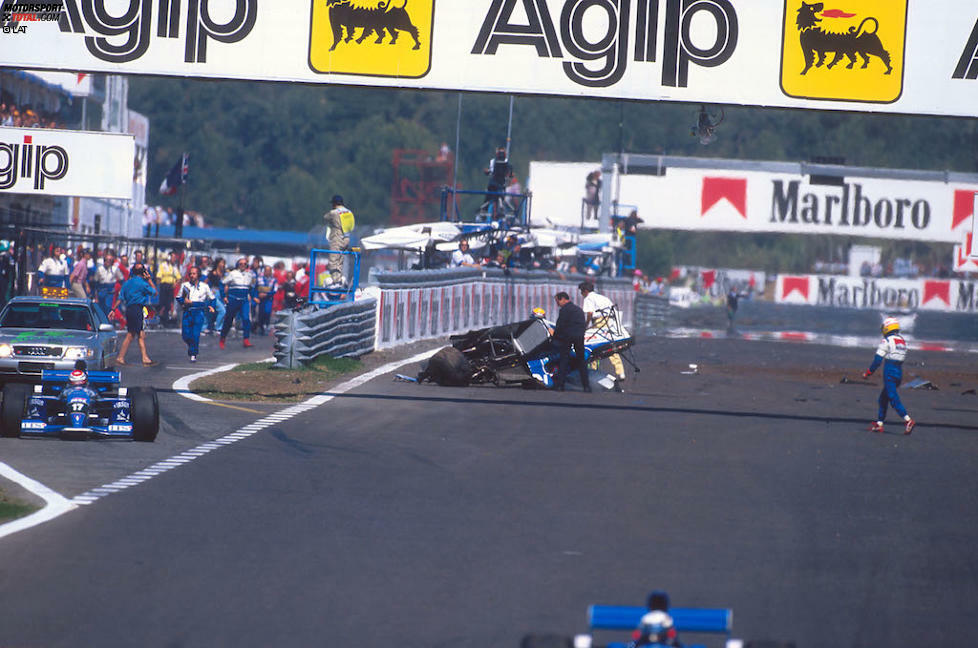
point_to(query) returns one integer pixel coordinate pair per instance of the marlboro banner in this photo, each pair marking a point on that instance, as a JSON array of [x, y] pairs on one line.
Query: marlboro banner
[[760, 201], [894, 295]]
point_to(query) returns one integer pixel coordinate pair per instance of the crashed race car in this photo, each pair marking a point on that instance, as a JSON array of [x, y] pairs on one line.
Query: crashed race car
[[80, 404], [519, 353]]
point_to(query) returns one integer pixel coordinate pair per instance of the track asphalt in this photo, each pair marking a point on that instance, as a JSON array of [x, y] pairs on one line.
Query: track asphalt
[[407, 515]]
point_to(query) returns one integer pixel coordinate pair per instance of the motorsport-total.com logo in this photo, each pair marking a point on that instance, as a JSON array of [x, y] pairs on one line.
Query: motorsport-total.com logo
[[14, 14]]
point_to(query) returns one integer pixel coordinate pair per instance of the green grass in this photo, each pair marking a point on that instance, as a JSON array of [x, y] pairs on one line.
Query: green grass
[[10, 510], [323, 363], [259, 381]]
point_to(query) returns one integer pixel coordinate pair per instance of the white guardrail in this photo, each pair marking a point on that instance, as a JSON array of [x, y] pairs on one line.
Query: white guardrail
[[422, 305], [403, 307]]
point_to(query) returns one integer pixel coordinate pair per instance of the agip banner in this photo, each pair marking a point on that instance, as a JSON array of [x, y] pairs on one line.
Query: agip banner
[[66, 163], [859, 55]]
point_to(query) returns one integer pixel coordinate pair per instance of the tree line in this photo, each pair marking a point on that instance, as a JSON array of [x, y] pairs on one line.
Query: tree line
[[270, 155]]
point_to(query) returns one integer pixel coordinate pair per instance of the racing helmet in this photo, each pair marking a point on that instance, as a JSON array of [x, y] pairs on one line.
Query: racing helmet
[[78, 378], [890, 325], [656, 627], [538, 312], [658, 600]]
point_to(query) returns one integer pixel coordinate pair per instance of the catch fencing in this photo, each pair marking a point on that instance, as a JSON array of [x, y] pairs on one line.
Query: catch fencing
[[415, 306]]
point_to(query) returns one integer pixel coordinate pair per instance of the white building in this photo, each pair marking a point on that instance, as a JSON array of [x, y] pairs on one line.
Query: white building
[[77, 102]]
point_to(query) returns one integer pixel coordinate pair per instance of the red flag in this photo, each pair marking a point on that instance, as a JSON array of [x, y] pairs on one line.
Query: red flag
[[709, 276]]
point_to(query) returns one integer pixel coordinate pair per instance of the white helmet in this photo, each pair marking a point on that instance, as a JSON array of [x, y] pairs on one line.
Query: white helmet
[[890, 325], [78, 378]]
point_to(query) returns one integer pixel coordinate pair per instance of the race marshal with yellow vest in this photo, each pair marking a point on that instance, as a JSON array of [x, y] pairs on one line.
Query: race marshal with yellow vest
[[339, 224]]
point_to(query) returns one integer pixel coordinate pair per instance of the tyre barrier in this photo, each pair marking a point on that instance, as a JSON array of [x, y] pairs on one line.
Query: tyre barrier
[[342, 331]]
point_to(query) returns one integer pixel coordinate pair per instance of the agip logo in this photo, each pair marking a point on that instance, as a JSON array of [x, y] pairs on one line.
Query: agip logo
[[390, 38], [846, 50]]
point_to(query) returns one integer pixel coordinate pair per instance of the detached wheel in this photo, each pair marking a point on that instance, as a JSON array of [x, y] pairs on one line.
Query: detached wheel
[[145, 411], [13, 407], [450, 368]]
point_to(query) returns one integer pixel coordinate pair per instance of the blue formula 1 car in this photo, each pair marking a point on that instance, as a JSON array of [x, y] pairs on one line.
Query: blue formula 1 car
[[80, 404], [655, 626]]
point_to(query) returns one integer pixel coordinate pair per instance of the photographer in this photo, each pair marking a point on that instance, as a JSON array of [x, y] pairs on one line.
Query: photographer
[[136, 293]]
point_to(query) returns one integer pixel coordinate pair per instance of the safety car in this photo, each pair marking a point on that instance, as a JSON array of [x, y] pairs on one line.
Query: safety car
[[52, 332], [79, 404]]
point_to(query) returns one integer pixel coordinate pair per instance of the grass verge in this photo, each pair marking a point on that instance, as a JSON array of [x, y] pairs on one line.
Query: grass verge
[[10, 509], [258, 381]]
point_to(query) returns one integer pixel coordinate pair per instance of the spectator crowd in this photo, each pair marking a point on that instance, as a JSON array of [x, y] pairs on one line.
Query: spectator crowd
[[99, 275], [26, 117], [167, 216]]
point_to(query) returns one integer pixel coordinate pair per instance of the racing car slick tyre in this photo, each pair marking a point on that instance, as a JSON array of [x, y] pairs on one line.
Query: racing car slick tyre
[[449, 368], [12, 409], [145, 413], [546, 641]]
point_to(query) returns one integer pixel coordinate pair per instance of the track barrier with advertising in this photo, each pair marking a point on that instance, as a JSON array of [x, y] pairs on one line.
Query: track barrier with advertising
[[947, 295], [413, 306], [435, 303]]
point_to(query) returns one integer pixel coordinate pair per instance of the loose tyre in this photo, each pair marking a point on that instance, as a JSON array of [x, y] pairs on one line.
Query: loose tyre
[[145, 412], [13, 407], [449, 368]]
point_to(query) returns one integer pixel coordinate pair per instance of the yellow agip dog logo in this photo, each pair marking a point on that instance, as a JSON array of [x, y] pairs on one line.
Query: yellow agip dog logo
[[389, 38], [850, 50]]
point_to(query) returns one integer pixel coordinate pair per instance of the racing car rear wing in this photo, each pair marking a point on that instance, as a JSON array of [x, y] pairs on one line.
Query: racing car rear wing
[[94, 377], [621, 617]]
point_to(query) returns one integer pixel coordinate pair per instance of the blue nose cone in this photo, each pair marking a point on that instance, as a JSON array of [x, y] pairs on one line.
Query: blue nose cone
[[77, 419]]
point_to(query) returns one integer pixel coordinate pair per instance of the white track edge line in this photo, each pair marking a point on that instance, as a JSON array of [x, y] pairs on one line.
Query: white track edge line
[[57, 505]]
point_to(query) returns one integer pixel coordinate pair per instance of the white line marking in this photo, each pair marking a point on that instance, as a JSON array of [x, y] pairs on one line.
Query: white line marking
[[182, 385], [57, 504]]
